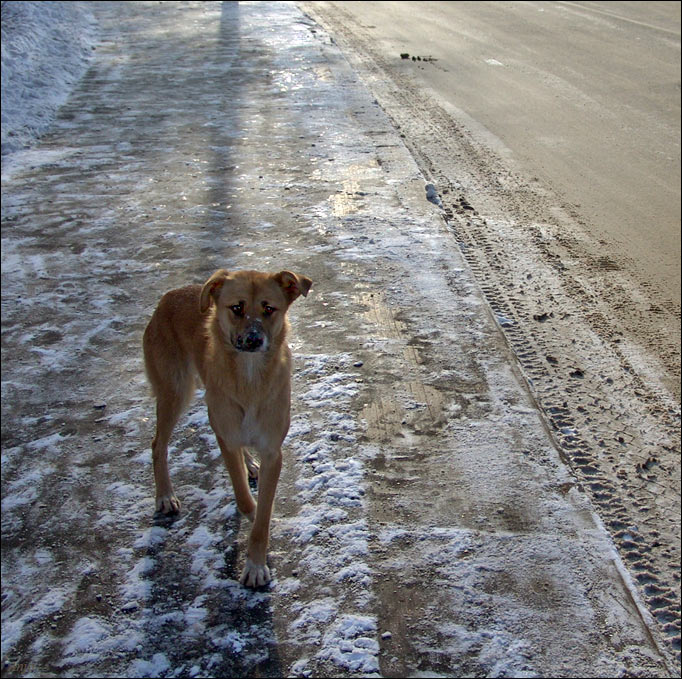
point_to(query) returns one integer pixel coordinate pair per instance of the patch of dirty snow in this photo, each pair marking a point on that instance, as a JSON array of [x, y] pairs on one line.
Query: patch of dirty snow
[[330, 526], [46, 49]]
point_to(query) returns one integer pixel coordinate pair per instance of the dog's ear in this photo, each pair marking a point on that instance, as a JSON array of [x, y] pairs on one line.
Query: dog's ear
[[293, 285], [211, 288]]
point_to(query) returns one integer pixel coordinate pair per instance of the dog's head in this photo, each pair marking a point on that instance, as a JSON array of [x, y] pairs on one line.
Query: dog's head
[[251, 306]]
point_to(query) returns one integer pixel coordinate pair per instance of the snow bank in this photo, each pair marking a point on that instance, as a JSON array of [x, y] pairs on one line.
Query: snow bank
[[46, 49]]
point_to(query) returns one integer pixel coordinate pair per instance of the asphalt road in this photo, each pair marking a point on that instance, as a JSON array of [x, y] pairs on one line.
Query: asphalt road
[[583, 95]]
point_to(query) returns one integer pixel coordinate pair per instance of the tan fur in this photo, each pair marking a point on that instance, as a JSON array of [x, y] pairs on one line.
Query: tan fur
[[230, 334]]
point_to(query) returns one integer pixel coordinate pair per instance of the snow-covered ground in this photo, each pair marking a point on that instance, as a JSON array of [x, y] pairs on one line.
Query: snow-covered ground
[[46, 48], [425, 524]]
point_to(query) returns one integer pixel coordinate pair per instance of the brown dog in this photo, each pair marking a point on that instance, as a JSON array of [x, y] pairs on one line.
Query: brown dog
[[231, 333]]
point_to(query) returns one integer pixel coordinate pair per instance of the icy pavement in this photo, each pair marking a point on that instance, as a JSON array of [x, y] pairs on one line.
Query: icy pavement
[[425, 524]]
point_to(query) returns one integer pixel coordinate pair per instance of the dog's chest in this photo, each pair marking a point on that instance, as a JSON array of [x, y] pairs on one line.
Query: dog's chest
[[252, 433]]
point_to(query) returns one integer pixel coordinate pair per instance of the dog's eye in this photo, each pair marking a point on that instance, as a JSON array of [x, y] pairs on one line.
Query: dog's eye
[[268, 310], [238, 309]]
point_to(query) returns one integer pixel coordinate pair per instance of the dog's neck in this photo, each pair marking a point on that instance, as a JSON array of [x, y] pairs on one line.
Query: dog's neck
[[251, 364]]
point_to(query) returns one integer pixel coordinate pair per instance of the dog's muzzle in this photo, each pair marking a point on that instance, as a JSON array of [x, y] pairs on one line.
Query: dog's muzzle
[[253, 339]]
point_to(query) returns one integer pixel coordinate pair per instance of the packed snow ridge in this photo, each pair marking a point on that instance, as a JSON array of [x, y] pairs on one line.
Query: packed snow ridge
[[46, 49]]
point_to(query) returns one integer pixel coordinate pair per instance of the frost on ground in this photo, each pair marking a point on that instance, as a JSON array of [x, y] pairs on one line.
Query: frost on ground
[[46, 48], [599, 347], [424, 523]]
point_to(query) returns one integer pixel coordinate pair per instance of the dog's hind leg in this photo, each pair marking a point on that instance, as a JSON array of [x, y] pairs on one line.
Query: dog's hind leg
[[236, 466], [173, 394], [168, 411]]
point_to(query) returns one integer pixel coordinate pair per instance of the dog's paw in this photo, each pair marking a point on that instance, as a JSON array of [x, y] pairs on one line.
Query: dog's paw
[[255, 575], [250, 516], [252, 466], [167, 504]]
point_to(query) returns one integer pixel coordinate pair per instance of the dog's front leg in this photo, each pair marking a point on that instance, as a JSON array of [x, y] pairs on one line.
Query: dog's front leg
[[256, 572]]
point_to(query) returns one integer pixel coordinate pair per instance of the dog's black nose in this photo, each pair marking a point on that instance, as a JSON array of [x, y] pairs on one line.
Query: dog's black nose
[[252, 341]]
